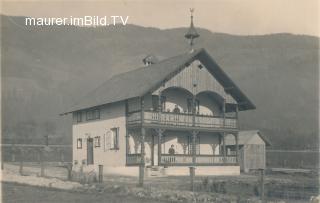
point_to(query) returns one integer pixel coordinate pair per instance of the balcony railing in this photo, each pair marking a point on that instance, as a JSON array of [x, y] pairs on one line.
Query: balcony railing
[[133, 159], [180, 159], [181, 119], [185, 160]]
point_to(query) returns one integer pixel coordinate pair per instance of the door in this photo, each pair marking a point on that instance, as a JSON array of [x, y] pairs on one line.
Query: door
[[90, 151]]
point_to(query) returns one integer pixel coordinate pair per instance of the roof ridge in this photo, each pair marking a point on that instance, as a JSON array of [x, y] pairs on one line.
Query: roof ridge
[[150, 66]]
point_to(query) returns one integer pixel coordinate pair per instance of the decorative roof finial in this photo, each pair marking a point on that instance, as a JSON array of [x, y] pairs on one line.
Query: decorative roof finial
[[192, 33]]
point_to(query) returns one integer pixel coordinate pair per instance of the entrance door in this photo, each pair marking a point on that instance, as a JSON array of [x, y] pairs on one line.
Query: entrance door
[[90, 151]]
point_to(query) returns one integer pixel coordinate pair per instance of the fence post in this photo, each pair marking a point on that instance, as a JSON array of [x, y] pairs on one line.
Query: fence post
[[42, 172], [261, 184], [21, 163], [61, 156], [69, 168], [192, 174], [13, 154], [100, 173]]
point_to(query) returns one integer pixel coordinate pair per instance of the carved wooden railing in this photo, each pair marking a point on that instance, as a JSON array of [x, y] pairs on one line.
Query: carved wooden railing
[[133, 159], [180, 159], [181, 119], [186, 159]]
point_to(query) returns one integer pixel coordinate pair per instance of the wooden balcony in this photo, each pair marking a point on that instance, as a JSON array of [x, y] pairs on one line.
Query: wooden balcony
[[182, 120], [186, 160]]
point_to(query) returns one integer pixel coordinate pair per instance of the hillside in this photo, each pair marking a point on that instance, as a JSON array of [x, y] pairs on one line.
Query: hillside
[[47, 69]]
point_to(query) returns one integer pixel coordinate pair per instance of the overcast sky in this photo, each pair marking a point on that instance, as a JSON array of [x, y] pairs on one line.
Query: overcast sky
[[243, 17]]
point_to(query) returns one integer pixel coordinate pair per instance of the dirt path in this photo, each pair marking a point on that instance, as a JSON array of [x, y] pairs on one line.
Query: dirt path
[[16, 193]]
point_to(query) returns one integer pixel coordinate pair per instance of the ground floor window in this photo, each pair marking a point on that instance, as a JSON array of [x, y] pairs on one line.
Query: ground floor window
[[97, 141], [114, 138], [79, 143]]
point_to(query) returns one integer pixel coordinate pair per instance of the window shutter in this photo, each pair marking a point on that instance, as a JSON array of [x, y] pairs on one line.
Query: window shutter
[[107, 141]]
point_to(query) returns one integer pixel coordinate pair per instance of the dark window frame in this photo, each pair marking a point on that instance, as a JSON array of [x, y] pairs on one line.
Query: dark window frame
[[93, 114], [79, 117]]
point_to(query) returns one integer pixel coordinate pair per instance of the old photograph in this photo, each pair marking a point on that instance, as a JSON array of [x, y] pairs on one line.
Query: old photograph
[[160, 101]]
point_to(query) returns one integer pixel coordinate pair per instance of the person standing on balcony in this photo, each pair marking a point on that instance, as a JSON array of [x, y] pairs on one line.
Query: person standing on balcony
[[176, 110], [171, 150], [171, 153]]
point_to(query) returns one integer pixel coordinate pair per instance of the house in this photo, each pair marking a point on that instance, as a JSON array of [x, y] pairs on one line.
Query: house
[[252, 149], [170, 114]]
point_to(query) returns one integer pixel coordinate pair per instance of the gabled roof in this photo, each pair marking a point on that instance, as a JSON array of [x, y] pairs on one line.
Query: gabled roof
[[140, 81], [245, 136]]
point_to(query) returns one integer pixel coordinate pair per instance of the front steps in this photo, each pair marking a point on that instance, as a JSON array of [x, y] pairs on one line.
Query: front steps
[[155, 171]]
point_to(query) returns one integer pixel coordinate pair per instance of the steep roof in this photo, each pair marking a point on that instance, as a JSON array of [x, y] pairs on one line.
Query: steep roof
[[245, 136], [142, 80]]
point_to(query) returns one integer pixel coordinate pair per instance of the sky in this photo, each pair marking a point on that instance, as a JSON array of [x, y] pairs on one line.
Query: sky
[[240, 17]]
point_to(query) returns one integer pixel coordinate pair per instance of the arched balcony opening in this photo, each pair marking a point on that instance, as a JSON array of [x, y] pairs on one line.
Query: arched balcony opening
[[175, 99], [209, 103]]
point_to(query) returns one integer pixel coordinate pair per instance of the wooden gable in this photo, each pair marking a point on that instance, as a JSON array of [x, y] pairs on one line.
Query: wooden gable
[[197, 72]]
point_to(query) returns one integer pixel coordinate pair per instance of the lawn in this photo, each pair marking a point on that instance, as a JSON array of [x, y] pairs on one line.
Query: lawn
[[16, 193]]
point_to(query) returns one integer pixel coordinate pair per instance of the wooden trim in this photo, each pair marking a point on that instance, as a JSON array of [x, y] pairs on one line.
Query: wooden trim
[[199, 164], [198, 155], [182, 113]]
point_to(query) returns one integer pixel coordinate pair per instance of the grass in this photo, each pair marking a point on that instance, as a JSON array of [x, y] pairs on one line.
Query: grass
[[15, 193]]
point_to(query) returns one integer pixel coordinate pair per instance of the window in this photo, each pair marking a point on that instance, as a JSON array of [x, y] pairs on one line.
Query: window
[[93, 114], [114, 141], [79, 143], [155, 102], [79, 116], [197, 103], [97, 141]]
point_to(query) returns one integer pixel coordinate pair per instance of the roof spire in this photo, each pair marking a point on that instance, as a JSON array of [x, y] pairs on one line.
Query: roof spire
[[192, 32]]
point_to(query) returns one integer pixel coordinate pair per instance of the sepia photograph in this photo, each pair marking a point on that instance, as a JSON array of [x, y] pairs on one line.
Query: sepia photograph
[[174, 101]]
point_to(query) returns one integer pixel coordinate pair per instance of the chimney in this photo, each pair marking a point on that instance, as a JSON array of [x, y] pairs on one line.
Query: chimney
[[149, 60]]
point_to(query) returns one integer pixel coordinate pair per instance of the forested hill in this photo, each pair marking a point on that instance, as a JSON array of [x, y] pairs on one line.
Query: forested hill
[[47, 69]]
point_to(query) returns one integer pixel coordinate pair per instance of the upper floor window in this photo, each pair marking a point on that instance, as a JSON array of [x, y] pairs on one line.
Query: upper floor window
[[93, 114], [114, 138], [197, 103], [79, 116]]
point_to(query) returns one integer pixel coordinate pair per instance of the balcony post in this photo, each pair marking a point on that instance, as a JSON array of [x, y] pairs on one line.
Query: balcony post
[[194, 135], [236, 135], [224, 146], [159, 145], [224, 112], [159, 130], [193, 167], [237, 115], [143, 132]]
